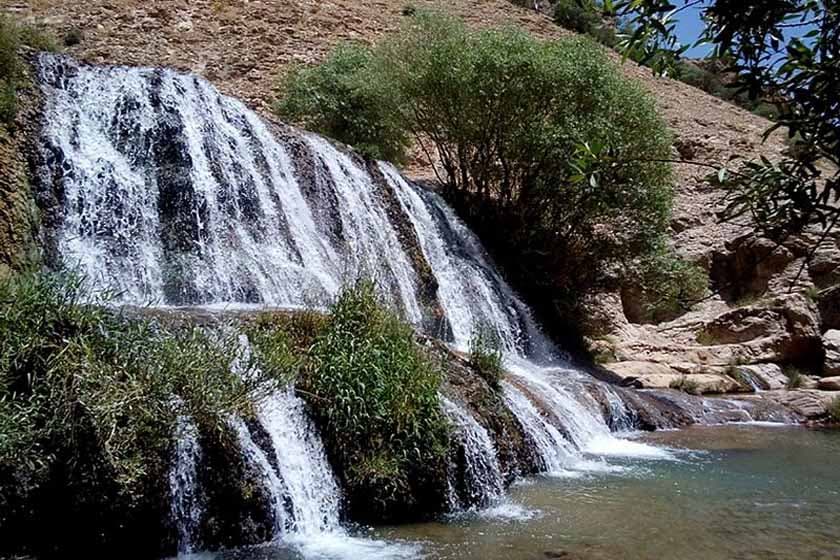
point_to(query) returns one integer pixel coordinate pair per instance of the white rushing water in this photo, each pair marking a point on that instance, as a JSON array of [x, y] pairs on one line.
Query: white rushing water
[[185, 496], [483, 474], [167, 193], [312, 491]]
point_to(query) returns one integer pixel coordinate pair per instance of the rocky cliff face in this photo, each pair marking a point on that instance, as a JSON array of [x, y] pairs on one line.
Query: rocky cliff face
[[770, 309]]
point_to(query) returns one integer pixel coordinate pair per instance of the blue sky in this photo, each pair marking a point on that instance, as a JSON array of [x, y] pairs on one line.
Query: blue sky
[[689, 27]]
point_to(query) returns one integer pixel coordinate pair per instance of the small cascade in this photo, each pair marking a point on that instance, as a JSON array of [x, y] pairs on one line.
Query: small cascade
[[298, 477], [185, 497], [559, 391], [311, 489], [620, 416], [483, 479], [551, 446], [470, 289], [258, 461]]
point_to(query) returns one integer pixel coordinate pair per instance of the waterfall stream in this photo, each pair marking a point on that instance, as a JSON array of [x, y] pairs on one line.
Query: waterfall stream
[[186, 505], [483, 475], [167, 193]]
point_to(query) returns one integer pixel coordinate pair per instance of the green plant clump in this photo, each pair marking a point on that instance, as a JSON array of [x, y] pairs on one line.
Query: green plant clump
[[486, 356], [686, 385], [89, 402], [577, 15], [795, 377], [375, 394], [668, 285]]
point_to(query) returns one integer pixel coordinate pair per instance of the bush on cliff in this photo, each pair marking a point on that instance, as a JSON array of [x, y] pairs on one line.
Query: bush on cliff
[[553, 156], [375, 394]]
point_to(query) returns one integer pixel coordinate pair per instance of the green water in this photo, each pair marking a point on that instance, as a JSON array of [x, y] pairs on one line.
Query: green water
[[734, 492], [738, 492]]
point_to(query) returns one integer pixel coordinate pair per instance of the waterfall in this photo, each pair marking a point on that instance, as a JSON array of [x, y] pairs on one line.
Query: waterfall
[[258, 461], [165, 192], [551, 446], [312, 491], [185, 498], [471, 291], [482, 474]]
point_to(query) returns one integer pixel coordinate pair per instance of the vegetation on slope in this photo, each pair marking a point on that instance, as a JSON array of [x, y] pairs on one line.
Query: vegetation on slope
[[555, 159], [375, 394], [790, 49], [89, 402], [12, 77]]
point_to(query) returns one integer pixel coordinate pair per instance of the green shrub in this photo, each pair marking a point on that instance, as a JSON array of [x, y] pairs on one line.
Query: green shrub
[[375, 393], [85, 390], [577, 15], [668, 285], [550, 154], [686, 385], [73, 37], [347, 98], [795, 377], [486, 356]]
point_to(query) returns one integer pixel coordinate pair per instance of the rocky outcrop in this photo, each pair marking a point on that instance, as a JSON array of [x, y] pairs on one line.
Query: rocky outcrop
[[767, 377], [810, 404], [829, 383], [831, 346]]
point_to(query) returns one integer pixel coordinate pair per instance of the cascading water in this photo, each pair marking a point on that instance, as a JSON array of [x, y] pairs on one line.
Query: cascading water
[[165, 192], [185, 497], [482, 473], [312, 491]]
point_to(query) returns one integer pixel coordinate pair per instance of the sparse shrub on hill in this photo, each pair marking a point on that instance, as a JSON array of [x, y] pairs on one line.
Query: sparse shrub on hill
[[545, 148], [578, 15]]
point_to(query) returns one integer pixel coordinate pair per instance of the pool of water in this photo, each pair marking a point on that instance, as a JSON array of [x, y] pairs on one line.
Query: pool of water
[[731, 492]]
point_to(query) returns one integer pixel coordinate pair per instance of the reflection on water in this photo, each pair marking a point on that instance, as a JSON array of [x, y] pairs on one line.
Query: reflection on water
[[745, 492]]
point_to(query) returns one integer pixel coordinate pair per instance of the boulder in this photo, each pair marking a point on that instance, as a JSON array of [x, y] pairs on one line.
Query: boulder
[[831, 346], [829, 383], [808, 403], [748, 265], [698, 383], [823, 266], [744, 324], [781, 329], [628, 372], [768, 377], [829, 304]]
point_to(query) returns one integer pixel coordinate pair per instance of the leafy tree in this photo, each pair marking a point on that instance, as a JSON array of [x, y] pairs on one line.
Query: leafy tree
[[790, 48], [516, 125]]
